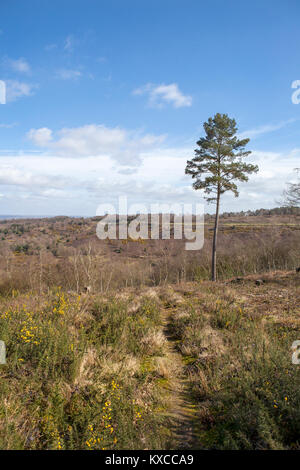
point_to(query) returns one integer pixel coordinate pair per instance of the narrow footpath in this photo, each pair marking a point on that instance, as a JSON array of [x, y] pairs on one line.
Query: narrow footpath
[[181, 410]]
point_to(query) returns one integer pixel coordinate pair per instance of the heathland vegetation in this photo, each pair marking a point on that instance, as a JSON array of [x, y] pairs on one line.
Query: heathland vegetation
[[127, 344]]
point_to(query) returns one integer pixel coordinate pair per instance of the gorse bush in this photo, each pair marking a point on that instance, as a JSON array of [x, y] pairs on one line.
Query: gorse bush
[[258, 408], [241, 376], [227, 316], [122, 370], [73, 378], [118, 329]]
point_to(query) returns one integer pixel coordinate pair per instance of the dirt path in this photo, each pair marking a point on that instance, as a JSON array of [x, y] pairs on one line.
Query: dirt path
[[181, 411]]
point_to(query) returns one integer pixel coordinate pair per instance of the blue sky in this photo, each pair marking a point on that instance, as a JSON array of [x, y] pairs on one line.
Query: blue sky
[[108, 97]]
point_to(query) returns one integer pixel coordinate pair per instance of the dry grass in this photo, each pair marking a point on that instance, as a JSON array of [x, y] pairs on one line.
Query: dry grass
[[91, 370], [66, 252], [78, 385], [237, 343]]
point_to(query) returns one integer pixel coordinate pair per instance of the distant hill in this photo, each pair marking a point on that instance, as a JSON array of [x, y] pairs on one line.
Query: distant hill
[[258, 212], [9, 217]]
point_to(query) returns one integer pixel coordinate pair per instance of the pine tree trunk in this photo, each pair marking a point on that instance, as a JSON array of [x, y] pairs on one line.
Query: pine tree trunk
[[214, 247]]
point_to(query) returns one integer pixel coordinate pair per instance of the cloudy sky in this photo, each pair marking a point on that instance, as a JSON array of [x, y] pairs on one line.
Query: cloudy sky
[[107, 98]]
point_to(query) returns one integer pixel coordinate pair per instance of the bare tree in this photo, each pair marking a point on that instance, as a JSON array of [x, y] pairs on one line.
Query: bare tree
[[291, 194]]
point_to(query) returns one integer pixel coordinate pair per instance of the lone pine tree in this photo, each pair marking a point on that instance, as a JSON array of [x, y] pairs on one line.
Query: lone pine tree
[[218, 164]]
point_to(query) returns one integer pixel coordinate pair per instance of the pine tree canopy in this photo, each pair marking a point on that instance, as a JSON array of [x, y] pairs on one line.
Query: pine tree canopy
[[218, 159]]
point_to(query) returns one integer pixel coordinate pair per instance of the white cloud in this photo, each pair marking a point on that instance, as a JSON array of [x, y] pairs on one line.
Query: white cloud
[[8, 126], [17, 65], [55, 193], [89, 181], [252, 133], [122, 145], [159, 95], [41, 137], [264, 189], [69, 43], [19, 172], [113, 160], [68, 74], [16, 89]]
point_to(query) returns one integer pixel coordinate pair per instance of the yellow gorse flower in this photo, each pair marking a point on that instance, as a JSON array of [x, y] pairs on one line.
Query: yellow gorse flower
[[103, 436], [28, 333]]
